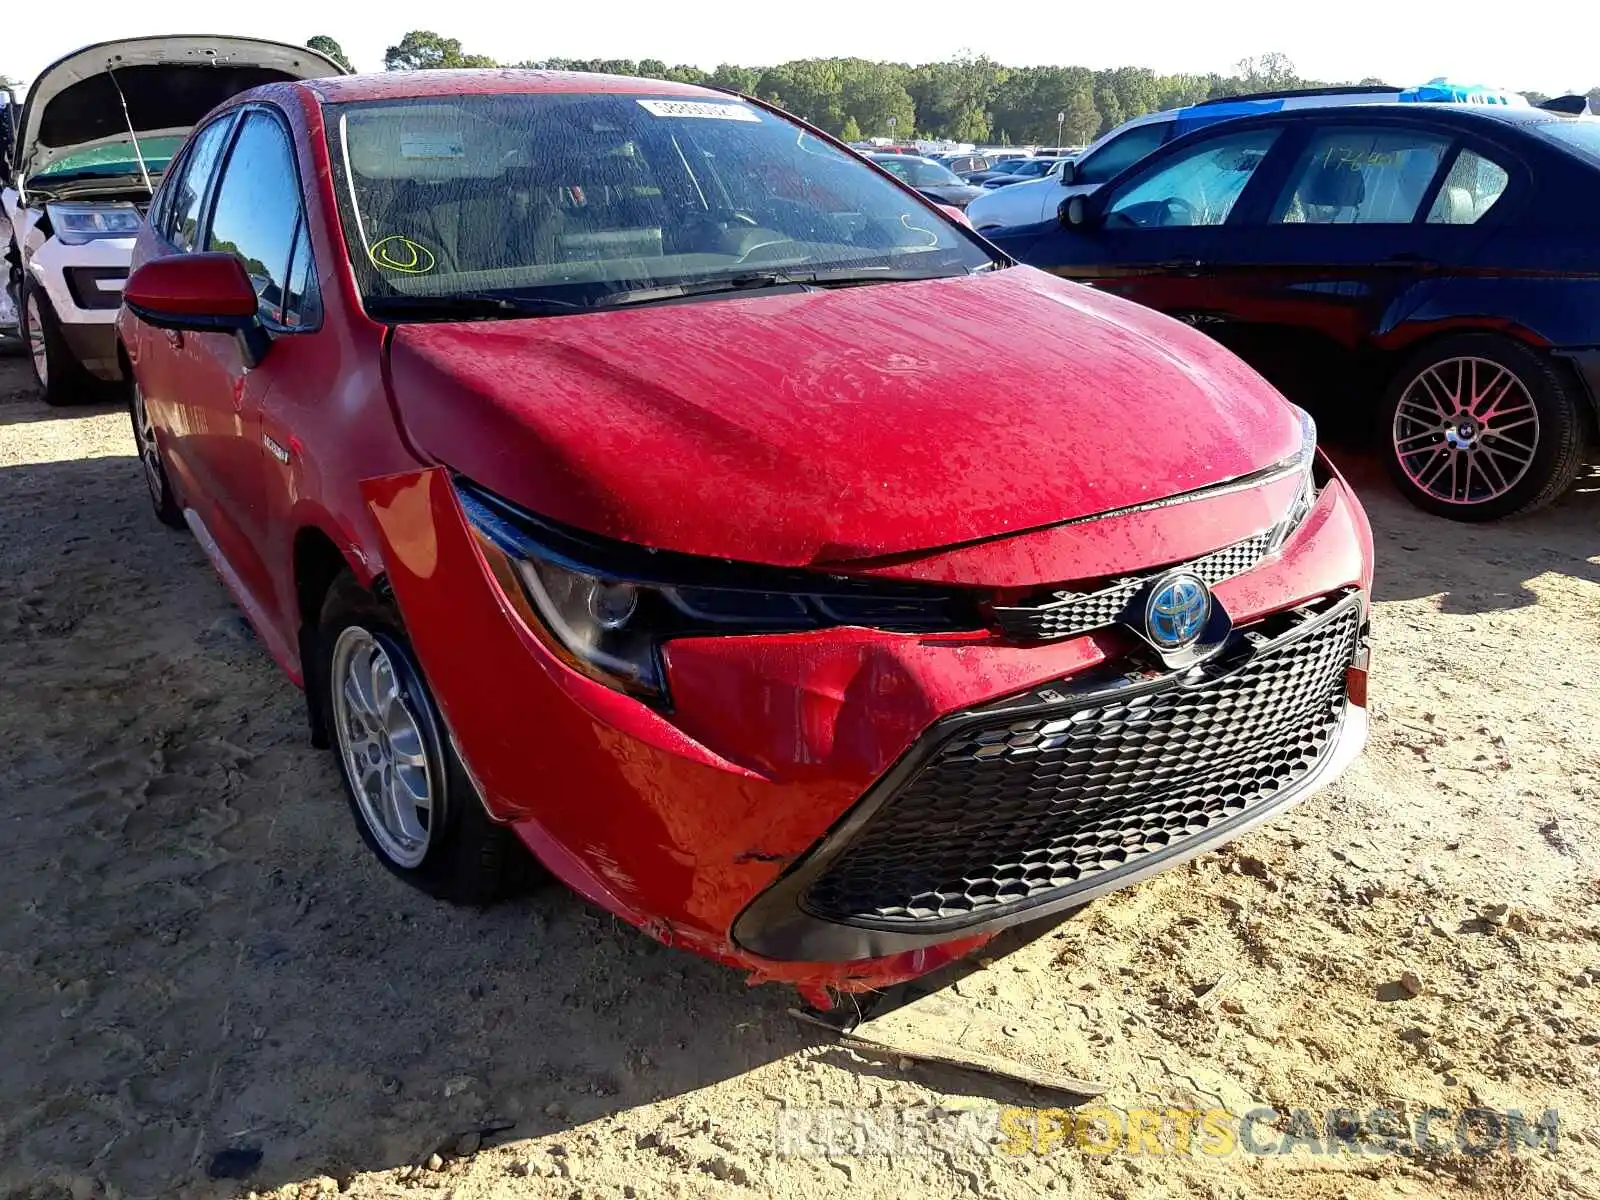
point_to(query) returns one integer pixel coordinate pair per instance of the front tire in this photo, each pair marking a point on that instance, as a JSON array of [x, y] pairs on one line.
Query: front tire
[[413, 801], [155, 471], [59, 376], [1479, 427]]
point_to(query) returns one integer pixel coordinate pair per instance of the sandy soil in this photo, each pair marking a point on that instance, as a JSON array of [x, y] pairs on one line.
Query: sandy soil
[[198, 956]]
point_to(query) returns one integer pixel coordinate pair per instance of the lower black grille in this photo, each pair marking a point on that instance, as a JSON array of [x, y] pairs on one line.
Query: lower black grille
[[96, 287], [1023, 803]]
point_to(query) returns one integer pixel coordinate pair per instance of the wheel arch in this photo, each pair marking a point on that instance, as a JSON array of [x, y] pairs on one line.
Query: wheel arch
[[318, 559], [1392, 349], [1405, 339]]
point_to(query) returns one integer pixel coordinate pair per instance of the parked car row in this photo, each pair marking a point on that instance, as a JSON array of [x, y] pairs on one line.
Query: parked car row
[[1437, 265], [935, 181], [1118, 149]]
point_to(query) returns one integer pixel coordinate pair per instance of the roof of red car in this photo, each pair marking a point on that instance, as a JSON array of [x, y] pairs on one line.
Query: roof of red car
[[399, 85]]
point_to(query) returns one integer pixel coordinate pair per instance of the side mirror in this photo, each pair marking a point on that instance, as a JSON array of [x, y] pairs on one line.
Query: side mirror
[[1073, 213], [199, 293], [1069, 173], [955, 214]]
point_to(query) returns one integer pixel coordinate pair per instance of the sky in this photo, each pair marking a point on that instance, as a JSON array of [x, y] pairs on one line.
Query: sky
[[1401, 41]]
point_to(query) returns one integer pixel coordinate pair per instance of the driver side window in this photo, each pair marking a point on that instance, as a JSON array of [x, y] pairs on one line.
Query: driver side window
[[1198, 187]]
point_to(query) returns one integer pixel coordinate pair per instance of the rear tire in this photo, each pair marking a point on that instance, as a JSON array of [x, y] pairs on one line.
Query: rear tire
[[1477, 426], [57, 373], [414, 804]]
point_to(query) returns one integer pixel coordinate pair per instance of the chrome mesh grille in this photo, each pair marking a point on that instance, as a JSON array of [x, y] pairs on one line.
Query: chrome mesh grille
[[1067, 614]]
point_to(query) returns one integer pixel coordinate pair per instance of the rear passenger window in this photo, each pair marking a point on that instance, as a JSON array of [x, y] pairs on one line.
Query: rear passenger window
[[181, 216], [1361, 177], [258, 208], [1469, 191]]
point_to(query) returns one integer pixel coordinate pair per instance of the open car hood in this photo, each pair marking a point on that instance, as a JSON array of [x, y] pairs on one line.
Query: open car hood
[[169, 84]]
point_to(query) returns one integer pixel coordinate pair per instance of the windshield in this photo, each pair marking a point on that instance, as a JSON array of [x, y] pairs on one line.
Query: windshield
[[117, 158], [574, 200], [920, 172], [1575, 133]]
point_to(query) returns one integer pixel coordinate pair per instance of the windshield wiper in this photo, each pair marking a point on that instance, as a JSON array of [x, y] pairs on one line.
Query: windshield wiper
[[490, 306], [466, 306], [827, 277]]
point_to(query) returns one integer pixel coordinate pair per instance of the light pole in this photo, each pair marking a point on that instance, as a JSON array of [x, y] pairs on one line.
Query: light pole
[[891, 129], [1061, 118]]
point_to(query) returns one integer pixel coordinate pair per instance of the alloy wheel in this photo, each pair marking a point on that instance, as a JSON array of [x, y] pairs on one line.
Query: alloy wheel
[[382, 744], [36, 346], [1466, 430], [145, 431]]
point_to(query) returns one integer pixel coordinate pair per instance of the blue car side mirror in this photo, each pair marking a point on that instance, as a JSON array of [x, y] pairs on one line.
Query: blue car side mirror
[[1074, 213]]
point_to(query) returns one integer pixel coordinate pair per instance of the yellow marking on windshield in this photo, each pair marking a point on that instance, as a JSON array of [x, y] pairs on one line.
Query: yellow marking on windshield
[[399, 253]]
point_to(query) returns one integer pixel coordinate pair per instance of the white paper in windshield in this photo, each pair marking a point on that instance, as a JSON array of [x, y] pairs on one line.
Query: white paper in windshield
[[431, 145], [699, 108]]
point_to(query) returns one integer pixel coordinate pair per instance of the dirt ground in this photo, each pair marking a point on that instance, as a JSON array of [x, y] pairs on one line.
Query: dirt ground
[[200, 964]]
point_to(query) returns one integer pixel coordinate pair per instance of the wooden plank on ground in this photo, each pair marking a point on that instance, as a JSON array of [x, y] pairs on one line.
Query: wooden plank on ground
[[931, 1028]]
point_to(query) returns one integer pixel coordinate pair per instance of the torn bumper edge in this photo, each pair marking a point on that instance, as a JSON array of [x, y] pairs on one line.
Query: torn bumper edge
[[636, 814]]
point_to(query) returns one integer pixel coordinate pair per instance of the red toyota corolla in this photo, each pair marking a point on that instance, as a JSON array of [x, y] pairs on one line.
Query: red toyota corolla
[[620, 468]]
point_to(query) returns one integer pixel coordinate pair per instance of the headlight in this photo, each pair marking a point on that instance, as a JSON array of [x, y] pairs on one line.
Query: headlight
[[606, 608], [75, 224], [1304, 461]]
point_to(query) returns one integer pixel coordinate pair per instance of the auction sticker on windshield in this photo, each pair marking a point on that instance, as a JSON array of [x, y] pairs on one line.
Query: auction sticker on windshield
[[699, 108], [431, 145]]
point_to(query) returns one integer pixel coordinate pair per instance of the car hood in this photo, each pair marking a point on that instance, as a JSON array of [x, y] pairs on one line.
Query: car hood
[[801, 428], [169, 84], [1016, 194], [960, 194]]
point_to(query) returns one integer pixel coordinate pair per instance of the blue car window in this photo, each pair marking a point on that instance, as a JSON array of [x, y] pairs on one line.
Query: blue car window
[[1469, 191], [1120, 153], [1355, 176], [1197, 187]]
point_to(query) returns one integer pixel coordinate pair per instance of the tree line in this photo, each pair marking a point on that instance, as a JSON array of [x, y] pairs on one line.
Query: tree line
[[968, 99]]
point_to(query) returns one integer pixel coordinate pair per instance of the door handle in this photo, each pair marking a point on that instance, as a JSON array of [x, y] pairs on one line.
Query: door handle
[[1184, 266], [175, 338], [1408, 259]]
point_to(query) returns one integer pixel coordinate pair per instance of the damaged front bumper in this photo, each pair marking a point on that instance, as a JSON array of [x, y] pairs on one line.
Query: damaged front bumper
[[748, 823]]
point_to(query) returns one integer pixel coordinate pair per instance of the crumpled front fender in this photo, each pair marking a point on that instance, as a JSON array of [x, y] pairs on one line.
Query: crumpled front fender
[[615, 798]]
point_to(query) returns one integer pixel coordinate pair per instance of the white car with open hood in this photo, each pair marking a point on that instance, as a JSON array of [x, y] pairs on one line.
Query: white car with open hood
[[95, 134]]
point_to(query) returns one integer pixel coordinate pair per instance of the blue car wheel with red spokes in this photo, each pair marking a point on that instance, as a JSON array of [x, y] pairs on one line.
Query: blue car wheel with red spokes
[[1478, 427]]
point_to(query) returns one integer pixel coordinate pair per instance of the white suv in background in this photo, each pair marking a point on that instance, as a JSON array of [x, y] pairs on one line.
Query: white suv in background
[[1040, 199], [95, 134]]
